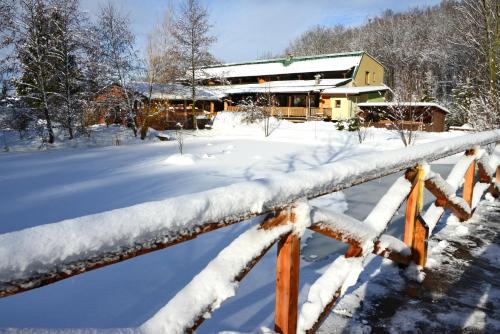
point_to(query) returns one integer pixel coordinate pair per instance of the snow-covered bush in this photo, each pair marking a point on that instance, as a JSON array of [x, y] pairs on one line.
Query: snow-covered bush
[[179, 137], [263, 110]]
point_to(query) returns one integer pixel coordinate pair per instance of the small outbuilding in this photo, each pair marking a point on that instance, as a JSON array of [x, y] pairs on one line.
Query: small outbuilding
[[421, 116]]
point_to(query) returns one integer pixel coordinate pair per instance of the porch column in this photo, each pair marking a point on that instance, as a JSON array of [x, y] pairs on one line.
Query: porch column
[[289, 104], [321, 105]]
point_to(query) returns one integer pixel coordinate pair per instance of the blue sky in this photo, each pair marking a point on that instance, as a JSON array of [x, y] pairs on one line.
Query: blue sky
[[247, 29]]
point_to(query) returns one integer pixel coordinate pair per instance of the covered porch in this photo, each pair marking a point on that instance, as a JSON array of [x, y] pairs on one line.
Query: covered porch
[[288, 106]]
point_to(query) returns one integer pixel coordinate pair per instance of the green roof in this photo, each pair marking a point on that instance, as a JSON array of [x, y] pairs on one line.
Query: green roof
[[288, 60]]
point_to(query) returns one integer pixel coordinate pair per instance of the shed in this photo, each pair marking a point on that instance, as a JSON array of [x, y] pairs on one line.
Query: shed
[[430, 115]]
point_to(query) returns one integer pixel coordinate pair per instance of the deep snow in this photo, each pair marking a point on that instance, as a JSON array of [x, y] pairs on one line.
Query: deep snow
[[45, 187]]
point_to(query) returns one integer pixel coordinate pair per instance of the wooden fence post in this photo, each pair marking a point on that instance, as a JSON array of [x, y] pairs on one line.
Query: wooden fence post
[[419, 249], [416, 231], [287, 283], [469, 180], [493, 188], [411, 207]]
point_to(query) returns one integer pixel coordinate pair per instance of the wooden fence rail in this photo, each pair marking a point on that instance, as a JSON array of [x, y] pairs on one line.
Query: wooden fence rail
[[283, 199]]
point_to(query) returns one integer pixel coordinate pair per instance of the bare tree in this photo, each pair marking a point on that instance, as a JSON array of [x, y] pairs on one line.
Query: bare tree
[[154, 66], [479, 29], [161, 62], [361, 127], [179, 137], [318, 40], [118, 54], [406, 119], [263, 109], [190, 30]]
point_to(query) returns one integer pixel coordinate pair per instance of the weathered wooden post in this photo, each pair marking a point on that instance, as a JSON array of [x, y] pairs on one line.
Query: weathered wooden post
[[469, 180], [419, 249], [411, 207], [287, 282], [495, 185], [416, 230]]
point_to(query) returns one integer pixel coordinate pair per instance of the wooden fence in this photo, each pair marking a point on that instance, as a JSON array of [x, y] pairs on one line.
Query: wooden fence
[[288, 214]]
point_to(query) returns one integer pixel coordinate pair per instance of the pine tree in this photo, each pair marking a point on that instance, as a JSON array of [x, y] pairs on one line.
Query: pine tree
[[33, 50], [69, 38], [460, 109], [429, 88]]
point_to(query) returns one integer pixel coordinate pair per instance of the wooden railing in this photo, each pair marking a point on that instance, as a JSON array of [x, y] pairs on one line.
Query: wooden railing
[[289, 112], [284, 202]]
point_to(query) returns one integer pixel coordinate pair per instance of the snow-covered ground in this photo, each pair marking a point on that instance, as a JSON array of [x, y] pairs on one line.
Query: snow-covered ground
[[76, 179], [460, 294]]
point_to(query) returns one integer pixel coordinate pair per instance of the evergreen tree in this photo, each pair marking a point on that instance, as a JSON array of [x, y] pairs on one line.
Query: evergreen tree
[[429, 88], [68, 50], [36, 60], [460, 109]]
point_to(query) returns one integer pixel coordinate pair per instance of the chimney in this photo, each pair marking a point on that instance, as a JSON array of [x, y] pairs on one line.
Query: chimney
[[317, 79]]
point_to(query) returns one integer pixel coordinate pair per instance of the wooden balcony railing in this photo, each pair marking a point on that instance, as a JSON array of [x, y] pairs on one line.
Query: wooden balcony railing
[[283, 200], [287, 112]]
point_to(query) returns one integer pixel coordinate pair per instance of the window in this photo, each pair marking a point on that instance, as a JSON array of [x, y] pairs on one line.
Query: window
[[373, 76], [337, 103], [299, 101], [367, 78]]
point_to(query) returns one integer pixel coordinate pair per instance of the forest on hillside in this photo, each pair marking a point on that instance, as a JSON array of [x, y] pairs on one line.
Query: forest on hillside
[[448, 53]]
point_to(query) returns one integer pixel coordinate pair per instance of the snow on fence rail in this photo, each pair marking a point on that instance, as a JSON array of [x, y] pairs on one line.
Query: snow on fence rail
[[78, 245]]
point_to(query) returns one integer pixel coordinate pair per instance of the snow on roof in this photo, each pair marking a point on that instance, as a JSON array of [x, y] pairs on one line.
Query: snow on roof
[[355, 90], [322, 63], [403, 104], [289, 86], [171, 91]]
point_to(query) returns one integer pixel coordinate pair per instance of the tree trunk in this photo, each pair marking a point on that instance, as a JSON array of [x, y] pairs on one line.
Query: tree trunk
[[193, 94], [49, 124], [70, 128]]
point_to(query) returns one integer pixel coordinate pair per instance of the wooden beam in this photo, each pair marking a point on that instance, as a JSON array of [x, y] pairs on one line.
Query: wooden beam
[[287, 283], [353, 251], [482, 174], [419, 249], [494, 190], [325, 312], [356, 244], [411, 208], [337, 235], [443, 201], [469, 180], [391, 255], [105, 259], [272, 220]]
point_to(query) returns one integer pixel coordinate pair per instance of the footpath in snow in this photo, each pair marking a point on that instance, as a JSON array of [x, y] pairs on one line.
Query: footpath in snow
[[460, 293]]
